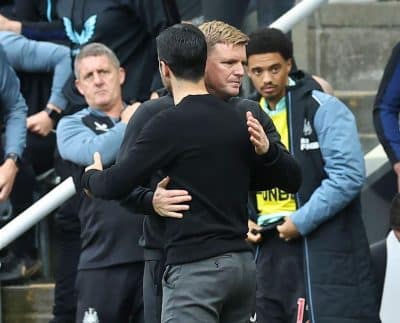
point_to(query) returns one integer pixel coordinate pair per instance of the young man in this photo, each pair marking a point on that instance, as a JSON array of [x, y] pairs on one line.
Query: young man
[[206, 248], [316, 264], [111, 262]]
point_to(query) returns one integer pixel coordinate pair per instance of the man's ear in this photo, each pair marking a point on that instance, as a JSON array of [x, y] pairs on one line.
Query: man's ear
[[122, 75], [164, 69], [290, 65], [78, 86]]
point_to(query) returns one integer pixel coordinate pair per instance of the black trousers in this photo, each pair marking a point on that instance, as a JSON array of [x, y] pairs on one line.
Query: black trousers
[[113, 293], [152, 290], [67, 252], [280, 279]]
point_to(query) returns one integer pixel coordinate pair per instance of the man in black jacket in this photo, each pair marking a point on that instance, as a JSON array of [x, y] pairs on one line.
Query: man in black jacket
[[206, 247]]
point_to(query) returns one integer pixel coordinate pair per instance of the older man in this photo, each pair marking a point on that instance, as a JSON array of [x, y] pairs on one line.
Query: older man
[[111, 262]]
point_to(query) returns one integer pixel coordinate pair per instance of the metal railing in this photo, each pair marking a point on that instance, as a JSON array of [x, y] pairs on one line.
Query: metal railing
[[36, 212]]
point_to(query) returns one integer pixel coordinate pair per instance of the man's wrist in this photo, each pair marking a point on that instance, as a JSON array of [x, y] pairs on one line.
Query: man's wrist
[[53, 113], [13, 157]]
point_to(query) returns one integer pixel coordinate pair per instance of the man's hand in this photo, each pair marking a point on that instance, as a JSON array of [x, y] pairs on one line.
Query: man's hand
[[128, 112], [257, 135], [253, 237], [154, 95], [396, 168], [8, 171], [167, 203], [97, 164], [288, 230], [40, 123]]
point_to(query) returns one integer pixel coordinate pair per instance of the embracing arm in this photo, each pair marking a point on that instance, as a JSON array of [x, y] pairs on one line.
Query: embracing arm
[[153, 149], [141, 198]]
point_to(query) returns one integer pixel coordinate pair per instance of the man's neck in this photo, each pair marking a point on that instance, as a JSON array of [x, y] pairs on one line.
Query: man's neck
[[182, 88], [114, 110]]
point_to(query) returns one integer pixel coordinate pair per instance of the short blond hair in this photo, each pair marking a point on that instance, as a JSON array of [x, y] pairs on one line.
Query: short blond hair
[[218, 32]]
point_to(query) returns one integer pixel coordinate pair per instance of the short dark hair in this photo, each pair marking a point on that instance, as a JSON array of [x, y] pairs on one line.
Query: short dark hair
[[395, 212], [269, 40], [184, 49]]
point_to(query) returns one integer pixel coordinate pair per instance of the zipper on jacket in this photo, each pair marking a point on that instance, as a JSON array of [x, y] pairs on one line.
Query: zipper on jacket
[[305, 244]]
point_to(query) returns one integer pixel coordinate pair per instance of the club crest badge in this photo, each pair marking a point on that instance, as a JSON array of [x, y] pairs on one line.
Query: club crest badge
[[90, 316], [307, 129]]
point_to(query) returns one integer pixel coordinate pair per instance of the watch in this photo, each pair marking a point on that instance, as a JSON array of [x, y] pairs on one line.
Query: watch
[[14, 157], [53, 114]]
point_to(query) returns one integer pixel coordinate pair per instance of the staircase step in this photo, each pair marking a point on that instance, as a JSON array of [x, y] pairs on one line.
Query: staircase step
[[30, 303]]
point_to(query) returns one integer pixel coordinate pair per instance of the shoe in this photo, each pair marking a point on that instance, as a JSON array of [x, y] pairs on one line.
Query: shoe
[[13, 268], [30, 267]]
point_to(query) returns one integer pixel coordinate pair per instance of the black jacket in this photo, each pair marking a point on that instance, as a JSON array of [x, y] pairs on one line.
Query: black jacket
[[284, 173]]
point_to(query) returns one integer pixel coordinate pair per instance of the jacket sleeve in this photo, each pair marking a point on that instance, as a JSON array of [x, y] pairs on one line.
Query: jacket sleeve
[[140, 199], [153, 149], [343, 163], [77, 143], [387, 108], [40, 20], [14, 108], [37, 56]]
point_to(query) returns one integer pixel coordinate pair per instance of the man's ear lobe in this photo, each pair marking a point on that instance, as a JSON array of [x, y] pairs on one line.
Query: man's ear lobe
[[290, 64], [77, 85], [164, 69]]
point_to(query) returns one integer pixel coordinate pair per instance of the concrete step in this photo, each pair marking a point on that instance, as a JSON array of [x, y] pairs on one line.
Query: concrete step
[[361, 104], [27, 303]]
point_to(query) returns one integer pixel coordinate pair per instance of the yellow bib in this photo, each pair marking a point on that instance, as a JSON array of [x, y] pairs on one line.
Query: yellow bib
[[275, 200]]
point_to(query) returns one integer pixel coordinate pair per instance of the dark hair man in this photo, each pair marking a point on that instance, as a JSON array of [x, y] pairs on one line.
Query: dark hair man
[[318, 258], [203, 146]]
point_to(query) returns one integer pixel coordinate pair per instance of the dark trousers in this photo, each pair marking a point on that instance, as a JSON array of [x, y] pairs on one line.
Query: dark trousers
[[152, 290], [68, 247], [280, 279], [113, 293]]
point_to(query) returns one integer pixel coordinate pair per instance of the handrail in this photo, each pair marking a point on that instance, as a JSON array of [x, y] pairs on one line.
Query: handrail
[[36, 212], [375, 159], [300, 11]]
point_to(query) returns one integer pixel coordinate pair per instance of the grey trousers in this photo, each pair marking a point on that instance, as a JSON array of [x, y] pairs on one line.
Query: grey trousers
[[217, 289]]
